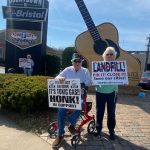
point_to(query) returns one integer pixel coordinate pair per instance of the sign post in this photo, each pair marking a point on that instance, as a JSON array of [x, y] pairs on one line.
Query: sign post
[[26, 33]]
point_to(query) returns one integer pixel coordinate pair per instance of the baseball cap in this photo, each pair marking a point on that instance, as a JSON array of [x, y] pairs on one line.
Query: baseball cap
[[76, 56]]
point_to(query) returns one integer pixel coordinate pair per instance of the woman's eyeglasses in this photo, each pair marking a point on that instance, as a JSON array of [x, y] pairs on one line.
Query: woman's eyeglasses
[[77, 61], [109, 54]]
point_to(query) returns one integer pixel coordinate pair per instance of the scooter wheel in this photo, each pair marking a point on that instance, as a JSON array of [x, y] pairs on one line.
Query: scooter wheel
[[91, 127], [75, 140], [52, 128]]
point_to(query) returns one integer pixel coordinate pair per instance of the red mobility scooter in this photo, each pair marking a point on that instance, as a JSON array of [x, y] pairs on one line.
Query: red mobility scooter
[[85, 118]]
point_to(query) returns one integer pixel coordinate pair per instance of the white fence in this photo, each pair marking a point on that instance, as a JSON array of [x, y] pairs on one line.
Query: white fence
[[2, 70]]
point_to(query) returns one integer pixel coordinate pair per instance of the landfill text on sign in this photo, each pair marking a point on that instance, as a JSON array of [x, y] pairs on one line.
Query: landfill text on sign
[[108, 66]]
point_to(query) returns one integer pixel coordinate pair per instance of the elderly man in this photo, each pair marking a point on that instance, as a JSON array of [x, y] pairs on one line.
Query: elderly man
[[76, 71]]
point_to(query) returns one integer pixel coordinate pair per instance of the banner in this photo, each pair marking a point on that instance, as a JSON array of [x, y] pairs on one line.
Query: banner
[[26, 3], [109, 72], [67, 95], [25, 13], [24, 63], [23, 38]]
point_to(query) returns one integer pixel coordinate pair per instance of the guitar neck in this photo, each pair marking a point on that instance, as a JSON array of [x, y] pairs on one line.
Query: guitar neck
[[88, 20]]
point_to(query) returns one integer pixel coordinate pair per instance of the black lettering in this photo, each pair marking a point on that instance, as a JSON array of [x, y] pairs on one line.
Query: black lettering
[[77, 100], [65, 99], [52, 98], [55, 104], [72, 99]]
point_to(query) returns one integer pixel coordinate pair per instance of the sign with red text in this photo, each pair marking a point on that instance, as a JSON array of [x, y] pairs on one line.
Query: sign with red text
[[23, 38], [109, 73], [66, 95]]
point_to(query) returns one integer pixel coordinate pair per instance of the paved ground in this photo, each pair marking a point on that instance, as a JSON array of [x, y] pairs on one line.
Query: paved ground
[[133, 130], [14, 138]]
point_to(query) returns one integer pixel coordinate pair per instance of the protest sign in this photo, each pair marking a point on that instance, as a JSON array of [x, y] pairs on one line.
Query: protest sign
[[24, 63], [66, 95], [109, 72]]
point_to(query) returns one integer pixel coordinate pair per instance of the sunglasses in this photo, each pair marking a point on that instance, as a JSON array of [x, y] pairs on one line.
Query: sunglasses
[[77, 61], [109, 54]]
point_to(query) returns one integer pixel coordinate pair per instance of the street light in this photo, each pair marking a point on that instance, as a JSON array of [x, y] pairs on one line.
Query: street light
[[147, 54]]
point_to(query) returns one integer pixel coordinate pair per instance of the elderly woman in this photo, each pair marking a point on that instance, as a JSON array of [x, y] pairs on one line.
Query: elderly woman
[[106, 94]]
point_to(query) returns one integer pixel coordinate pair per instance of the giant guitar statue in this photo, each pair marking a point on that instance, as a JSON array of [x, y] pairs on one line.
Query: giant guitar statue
[[92, 43]]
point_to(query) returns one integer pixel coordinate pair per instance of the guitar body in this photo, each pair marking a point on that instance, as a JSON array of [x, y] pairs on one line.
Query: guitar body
[[85, 46]]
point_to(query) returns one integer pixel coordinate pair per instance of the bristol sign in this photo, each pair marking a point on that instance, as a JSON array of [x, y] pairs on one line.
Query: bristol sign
[[22, 13]]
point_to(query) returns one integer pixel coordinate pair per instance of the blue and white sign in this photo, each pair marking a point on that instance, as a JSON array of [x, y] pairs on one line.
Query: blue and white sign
[[22, 13], [23, 38]]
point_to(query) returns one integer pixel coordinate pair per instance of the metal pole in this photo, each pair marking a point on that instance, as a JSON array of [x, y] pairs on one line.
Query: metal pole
[[147, 54]]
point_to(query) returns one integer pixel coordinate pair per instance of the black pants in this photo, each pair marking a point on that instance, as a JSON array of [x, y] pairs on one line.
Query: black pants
[[101, 100]]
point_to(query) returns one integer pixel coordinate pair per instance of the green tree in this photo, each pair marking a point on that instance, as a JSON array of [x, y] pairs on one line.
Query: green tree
[[66, 56], [52, 65]]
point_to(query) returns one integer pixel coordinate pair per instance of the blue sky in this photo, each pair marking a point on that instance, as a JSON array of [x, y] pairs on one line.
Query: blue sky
[[65, 23]]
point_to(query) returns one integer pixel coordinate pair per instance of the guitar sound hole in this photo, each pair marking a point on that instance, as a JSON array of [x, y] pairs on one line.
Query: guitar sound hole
[[100, 46]]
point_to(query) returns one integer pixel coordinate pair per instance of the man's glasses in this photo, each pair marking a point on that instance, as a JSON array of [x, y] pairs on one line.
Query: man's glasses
[[109, 54], [77, 61]]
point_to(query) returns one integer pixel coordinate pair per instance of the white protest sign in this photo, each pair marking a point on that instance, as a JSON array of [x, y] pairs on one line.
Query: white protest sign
[[66, 95], [24, 63], [109, 73]]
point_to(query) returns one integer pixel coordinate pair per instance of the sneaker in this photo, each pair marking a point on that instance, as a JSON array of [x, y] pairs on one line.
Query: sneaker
[[112, 136], [72, 129], [57, 141]]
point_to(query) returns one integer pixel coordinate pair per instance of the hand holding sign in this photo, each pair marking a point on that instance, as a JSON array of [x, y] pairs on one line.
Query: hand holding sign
[[61, 79]]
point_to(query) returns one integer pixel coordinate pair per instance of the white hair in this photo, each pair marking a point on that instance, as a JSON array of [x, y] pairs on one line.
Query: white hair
[[112, 49]]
